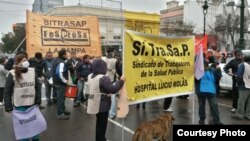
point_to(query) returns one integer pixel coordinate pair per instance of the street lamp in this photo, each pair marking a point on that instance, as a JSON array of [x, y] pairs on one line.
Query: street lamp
[[242, 7], [205, 7], [242, 40]]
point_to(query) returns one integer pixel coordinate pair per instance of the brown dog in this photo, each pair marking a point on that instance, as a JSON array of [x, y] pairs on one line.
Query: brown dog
[[156, 129]]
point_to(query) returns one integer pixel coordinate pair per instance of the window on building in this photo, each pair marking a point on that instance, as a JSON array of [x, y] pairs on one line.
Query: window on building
[[117, 32]]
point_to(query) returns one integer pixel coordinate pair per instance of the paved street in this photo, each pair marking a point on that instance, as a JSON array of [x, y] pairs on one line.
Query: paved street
[[81, 126]]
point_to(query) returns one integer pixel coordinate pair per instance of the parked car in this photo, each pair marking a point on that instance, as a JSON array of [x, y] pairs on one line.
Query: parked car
[[226, 81]]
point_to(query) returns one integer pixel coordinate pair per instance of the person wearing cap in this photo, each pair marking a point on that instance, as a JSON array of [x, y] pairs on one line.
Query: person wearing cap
[[233, 64], [243, 80]]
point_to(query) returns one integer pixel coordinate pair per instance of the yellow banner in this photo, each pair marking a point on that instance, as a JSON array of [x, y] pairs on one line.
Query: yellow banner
[[78, 34], [157, 67]]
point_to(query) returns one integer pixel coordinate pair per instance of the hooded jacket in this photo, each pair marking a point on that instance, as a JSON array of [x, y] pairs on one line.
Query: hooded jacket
[[106, 86]]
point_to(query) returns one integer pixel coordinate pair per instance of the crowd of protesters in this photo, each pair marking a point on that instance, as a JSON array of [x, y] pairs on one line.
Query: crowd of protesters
[[104, 79], [26, 75]]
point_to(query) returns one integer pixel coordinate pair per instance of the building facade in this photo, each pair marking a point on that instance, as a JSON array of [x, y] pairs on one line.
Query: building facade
[[170, 17], [142, 22], [42, 6], [113, 22]]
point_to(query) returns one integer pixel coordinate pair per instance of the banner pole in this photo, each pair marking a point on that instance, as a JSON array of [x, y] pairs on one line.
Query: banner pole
[[122, 129], [19, 45], [193, 109]]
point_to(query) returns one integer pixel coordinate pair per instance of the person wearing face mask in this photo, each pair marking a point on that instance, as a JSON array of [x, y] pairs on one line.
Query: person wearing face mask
[[3, 73], [21, 92], [48, 79], [59, 73]]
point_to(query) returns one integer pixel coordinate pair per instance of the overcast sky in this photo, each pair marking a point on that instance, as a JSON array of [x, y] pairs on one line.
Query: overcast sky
[[14, 10]]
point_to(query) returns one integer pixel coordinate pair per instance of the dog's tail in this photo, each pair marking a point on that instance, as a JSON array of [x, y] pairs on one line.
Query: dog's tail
[[136, 136]]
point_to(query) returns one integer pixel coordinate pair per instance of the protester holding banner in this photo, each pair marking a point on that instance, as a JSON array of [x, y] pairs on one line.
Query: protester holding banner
[[22, 86], [48, 79], [60, 79], [99, 102], [82, 71], [207, 90], [3, 73]]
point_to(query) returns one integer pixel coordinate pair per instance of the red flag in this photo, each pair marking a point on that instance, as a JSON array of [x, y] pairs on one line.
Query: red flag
[[201, 40]]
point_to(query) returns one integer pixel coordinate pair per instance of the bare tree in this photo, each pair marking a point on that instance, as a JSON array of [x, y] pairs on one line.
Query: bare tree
[[185, 29], [178, 28], [220, 34], [226, 27]]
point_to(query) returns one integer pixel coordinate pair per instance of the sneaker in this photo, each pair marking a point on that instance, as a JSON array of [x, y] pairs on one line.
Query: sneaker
[[202, 122], [233, 110], [247, 118], [41, 107], [49, 102], [67, 113], [113, 117], [76, 104], [220, 123], [235, 116], [54, 100], [170, 110], [1, 103], [62, 117]]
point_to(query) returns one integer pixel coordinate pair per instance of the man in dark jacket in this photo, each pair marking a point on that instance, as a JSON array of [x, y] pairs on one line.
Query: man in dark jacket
[[105, 87], [233, 64], [60, 80], [243, 79], [72, 63], [39, 65], [82, 71], [48, 77]]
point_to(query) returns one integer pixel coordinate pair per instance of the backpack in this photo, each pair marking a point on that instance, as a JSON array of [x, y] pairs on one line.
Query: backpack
[[207, 83]]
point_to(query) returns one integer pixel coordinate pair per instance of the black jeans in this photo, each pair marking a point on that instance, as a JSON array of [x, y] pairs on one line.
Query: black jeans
[[235, 93], [48, 88], [1, 94], [60, 89], [167, 103], [213, 104], [101, 126]]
